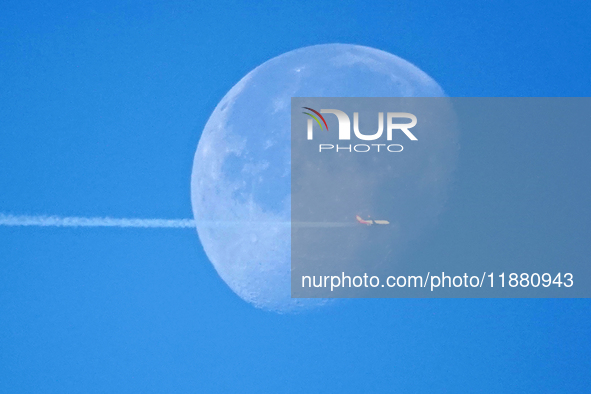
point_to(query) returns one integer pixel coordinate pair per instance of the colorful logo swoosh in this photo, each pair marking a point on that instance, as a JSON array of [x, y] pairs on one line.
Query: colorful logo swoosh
[[315, 118]]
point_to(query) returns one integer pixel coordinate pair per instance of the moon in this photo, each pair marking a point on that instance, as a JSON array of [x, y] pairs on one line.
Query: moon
[[242, 167]]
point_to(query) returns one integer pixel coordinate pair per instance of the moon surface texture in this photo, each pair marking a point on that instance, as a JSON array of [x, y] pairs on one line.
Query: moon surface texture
[[241, 179]]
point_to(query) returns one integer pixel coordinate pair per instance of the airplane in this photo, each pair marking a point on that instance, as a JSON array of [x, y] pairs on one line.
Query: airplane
[[370, 222]]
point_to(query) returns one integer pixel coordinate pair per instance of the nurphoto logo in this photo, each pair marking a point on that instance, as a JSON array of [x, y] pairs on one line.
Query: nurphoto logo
[[345, 130]]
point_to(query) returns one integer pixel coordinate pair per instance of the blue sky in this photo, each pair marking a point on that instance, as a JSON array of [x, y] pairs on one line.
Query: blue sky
[[102, 105]]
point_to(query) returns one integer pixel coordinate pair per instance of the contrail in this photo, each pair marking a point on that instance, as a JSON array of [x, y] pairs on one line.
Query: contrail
[[74, 221]]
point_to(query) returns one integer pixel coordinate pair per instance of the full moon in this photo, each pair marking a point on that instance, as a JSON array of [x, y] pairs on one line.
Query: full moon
[[240, 184]]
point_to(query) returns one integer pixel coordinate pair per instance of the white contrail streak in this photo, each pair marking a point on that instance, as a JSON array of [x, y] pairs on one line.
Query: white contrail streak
[[74, 221]]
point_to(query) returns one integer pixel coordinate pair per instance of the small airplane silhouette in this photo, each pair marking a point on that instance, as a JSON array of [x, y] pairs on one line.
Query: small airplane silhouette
[[370, 222]]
